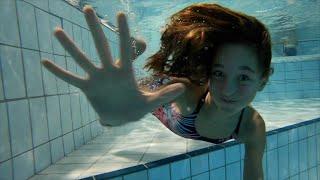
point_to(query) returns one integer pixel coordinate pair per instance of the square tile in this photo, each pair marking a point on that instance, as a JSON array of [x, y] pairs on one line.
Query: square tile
[[5, 148], [312, 152], [58, 8], [84, 109], [136, 175], [6, 170], [75, 110], [1, 88], [13, 80], [293, 135], [32, 67], [49, 79], [42, 157], [180, 169], [85, 44], [24, 161], [67, 27], [43, 4], [217, 159], [68, 143], [20, 128], [293, 158], [199, 164], [71, 66], [61, 84], [39, 121], [44, 31], [272, 141], [283, 153], [54, 122], [219, 173], [160, 173], [56, 149], [283, 138], [302, 132], [57, 47], [87, 133], [27, 25], [78, 138], [201, 176], [65, 109], [233, 171], [232, 154], [77, 35], [303, 155], [9, 34], [272, 163]]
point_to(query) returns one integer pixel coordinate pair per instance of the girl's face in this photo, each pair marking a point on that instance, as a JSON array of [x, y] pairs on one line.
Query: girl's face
[[235, 77]]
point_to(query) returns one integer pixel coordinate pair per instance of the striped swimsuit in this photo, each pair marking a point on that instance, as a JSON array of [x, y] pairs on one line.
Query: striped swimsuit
[[185, 125]]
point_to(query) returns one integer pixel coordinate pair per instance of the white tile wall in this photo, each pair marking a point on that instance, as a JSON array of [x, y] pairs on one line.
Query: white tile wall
[[1, 88], [57, 47], [43, 4], [20, 128], [23, 165], [42, 157], [199, 164], [233, 171], [163, 170], [39, 121], [56, 146], [44, 31], [9, 34], [65, 109], [27, 24], [61, 85], [6, 170], [12, 69], [50, 84], [54, 122], [32, 69], [68, 143], [33, 135], [5, 148], [75, 111]]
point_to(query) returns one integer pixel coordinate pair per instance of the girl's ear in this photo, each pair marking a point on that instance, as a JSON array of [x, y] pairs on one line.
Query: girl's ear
[[262, 84]]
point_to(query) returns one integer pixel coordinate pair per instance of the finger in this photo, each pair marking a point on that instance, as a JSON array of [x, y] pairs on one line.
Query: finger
[[125, 43], [99, 38], [166, 95], [118, 63], [63, 74], [74, 51]]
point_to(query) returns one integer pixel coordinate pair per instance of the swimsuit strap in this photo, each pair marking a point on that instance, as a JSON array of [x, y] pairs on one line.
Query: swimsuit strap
[[239, 121], [196, 111]]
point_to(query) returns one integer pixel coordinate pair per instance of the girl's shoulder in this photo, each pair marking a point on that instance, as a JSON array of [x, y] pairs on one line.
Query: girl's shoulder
[[253, 121]]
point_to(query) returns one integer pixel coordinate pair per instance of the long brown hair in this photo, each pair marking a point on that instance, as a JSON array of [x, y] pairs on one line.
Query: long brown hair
[[191, 38]]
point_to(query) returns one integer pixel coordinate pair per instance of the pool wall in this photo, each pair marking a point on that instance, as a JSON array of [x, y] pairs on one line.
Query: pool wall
[[42, 119], [292, 152]]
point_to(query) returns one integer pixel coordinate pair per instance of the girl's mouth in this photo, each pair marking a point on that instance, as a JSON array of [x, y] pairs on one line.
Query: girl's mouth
[[228, 101]]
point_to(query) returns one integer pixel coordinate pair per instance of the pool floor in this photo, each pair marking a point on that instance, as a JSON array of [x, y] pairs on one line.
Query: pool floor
[[149, 140]]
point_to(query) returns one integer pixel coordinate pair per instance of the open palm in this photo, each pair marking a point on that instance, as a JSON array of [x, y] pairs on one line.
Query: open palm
[[111, 89]]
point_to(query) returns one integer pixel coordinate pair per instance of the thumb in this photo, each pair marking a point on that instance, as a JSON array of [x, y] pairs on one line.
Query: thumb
[[166, 94]]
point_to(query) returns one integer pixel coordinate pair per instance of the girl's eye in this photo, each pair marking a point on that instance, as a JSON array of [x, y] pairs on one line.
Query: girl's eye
[[244, 78], [217, 73]]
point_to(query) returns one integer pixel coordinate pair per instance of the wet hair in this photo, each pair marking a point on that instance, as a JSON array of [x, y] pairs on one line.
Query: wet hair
[[193, 35]]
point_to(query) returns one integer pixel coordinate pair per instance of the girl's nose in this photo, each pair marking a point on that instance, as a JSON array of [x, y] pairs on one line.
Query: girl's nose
[[229, 88]]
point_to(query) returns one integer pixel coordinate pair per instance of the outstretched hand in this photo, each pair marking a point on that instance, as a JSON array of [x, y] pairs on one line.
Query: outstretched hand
[[111, 89]]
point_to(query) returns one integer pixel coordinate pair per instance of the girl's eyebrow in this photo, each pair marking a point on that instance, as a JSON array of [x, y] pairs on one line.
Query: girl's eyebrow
[[241, 67]]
